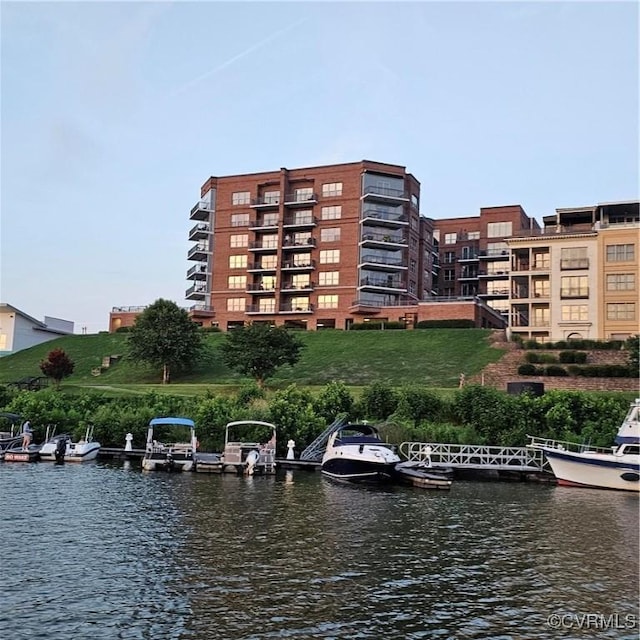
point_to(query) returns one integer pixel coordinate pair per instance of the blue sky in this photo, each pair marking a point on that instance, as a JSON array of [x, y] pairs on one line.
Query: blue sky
[[114, 114]]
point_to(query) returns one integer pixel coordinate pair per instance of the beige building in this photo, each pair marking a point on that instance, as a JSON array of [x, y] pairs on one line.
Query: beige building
[[578, 277]]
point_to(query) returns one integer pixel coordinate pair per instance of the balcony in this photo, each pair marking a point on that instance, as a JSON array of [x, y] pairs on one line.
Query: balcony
[[298, 265], [575, 292], [298, 245], [384, 194], [258, 266], [200, 231], [196, 292], [201, 310], [292, 287], [198, 272], [259, 245], [367, 307], [265, 203], [494, 254], [469, 275], [289, 307], [387, 283], [383, 239], [198, 252], [385, 264], [580, 263], [487, 275], [297, 199], [259, 287], [307, 221], [259, 224], [495, 293], [260, 309], [382, 218], [201, 211]]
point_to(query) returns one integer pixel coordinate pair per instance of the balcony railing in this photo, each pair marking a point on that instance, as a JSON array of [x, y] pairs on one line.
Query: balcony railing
[[385, 192], [201, 211], [387, 283], [385, 262], [577, 263], [198, 252], [289, 307], [493, 253], [380, 215], [197, 272], [291, 286], [270, 201], [258, 245], [298, 198], [259, 286], [196, 291], [301, 265], [300, 221], [261, 223], [256, 308], [292, 243], [201, 308], [199, 231], [258, 266], [383, 238], [574, 292]]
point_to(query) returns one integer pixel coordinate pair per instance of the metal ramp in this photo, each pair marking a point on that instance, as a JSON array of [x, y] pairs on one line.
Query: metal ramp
[[315, 451], [473, 456]]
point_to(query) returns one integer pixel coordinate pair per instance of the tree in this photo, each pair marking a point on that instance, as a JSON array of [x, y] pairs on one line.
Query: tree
[[259, 350], [58, 365], [164, 336], [633, 346]]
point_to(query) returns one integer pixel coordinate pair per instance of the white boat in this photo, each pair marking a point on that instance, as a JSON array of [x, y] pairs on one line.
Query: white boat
[[615, 468], [355, 452], [173, 456], [61, 448], [249, 447]]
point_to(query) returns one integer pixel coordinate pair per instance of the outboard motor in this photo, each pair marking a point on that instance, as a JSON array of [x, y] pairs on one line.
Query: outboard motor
[[61, 449]]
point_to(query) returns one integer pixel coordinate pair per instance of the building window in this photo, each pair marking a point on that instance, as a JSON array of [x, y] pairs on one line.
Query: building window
[[269, 241], [574, 258], [267, 305], [574, 313], [304, 216], [331, 213], [328, 302], [330, 256], [236, 304], [240, 197], [268, 283], [540, 316], [620, 252], [237, 282], [497, 288], [414, 200], [271, 197], [330, 235], [541, 261], [621, 281], [473, 235], [301, 281], [300, 303], [329, 278], [541, 289], [238, 262], [332, 189], [499, 229], [268, 220], [449, 257], [450, 238], [574, 287], [240, 220], [268, 262], [303, 194], [449, 275], [621, 311], [239, 240]]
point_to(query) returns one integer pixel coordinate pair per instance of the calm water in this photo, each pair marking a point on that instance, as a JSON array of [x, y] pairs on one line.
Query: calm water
[[104, 552]]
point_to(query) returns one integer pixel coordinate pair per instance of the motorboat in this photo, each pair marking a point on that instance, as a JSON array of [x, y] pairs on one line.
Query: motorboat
[[356, 452], [423, 476], [61, 448], [584, 466], [170, 456], [11, 439], [249, 447]]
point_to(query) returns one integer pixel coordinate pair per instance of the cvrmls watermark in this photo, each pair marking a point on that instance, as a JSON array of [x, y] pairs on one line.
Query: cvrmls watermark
[[592, 621]]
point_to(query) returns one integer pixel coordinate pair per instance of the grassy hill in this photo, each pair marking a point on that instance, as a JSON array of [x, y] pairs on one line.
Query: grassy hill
[[433, 357]]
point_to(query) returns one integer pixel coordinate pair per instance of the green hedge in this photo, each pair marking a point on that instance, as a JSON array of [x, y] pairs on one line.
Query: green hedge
[[610, 345], [376, 326], [572, 357], [540, 358], [445, 324]]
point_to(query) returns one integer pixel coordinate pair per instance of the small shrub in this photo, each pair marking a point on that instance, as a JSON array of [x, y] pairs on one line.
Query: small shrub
[[531, 344], [446, 324], [541, 358], [555, 370], [210, 329], [528, 370], [123, 330], [569, 357]]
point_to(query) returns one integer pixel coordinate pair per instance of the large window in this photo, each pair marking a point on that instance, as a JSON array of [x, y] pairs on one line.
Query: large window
[[328, 302], [240, 220], [450, 238], [241, 197], [497, 249], [541, 316], [268, 262], [332, 189], [238, 262], [499, 229], [449, 257], [574, 287], [239, 240], [620, 252], [267, 305], [271, 197], [236, 304], [330, 235], [331, 213], [574, 313], [621, 311], [474, 235], [621, 281], [237, 282], [329, 278], [269, 241], [303, 194], [330, 256]]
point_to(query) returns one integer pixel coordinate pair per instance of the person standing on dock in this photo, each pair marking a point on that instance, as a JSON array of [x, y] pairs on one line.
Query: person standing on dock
[[27, 434]]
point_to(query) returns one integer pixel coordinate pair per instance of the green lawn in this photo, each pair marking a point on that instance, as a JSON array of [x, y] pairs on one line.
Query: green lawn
[[431, 357]]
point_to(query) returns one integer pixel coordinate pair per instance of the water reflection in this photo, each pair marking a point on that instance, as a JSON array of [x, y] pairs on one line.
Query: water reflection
[[108, 552]]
